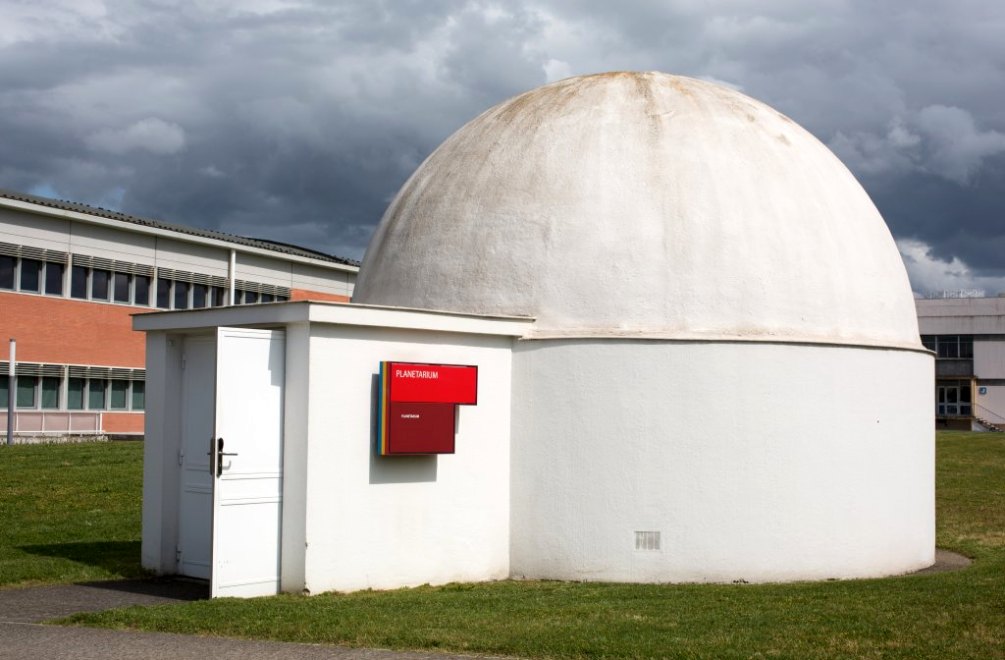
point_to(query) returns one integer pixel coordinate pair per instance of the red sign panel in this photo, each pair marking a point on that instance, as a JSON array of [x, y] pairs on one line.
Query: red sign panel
[[421, 428], [418, 406], [433, 383]]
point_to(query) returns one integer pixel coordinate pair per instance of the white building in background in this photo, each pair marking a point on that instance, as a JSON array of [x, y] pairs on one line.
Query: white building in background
[[697, 351], [72, 275], [968, 337]]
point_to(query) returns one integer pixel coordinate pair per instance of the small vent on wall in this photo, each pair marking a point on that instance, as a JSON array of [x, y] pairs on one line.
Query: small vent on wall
[[647, 541]]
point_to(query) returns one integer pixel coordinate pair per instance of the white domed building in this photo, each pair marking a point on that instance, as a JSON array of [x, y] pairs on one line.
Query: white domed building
[[625, 327], [724, 379]]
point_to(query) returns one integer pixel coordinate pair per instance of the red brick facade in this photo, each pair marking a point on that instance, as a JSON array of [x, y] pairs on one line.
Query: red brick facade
[[122, 422], [304, 294], [66, 331]]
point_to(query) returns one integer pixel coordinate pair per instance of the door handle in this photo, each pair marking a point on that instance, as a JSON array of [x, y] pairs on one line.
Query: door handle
[[212, 457], [216, 455]]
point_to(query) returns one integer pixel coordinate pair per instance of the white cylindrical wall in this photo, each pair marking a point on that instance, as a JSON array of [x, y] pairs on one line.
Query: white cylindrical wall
[[754, 461]]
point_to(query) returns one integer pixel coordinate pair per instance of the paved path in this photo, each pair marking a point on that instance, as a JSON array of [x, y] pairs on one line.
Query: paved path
[[35, 604], [22, 637], [947, 560]]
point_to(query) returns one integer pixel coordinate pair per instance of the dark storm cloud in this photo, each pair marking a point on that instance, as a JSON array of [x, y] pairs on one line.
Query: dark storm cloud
[[298, 121]]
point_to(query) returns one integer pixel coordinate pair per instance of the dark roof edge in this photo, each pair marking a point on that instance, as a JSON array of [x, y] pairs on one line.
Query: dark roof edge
[[271, 246]]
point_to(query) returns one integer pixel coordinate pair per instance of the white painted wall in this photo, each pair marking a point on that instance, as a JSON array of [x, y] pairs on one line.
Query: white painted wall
[[386, 522], [989, 358], [194, 258], [34, 230], [110, 243], [990, 406], [754, 461], [294, 275], [961, 316], [315, 278], [262, 269]]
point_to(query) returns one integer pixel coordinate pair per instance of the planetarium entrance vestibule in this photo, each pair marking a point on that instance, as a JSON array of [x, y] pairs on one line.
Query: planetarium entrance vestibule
[[230, 460]]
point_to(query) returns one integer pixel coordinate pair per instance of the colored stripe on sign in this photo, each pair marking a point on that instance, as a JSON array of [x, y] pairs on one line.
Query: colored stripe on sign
[[383, 404]]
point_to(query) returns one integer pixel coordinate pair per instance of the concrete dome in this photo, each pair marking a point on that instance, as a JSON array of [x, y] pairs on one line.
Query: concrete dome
[[724, 380], [643, 204]]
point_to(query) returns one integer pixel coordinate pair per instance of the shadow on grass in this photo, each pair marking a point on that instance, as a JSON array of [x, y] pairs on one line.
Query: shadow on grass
[[121, 558], [117, 557]]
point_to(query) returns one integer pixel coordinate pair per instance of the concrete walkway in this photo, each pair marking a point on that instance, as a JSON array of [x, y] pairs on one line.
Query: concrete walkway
[[22, 637]]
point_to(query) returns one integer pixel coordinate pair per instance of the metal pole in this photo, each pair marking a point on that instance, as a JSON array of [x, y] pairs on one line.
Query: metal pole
[[232, 278], [10, 391]]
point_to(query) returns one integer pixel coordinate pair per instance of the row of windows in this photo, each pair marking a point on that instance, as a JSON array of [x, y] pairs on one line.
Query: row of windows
[[31, 275], [950, 346], [109, 286], [57, 393], [175, 294], [102, 285]]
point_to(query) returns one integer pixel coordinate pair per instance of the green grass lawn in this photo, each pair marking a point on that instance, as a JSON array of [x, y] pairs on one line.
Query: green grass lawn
[[69, 513], [943, 615]]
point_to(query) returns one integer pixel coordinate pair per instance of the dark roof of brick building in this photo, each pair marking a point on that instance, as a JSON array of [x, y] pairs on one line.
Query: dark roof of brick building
[[264, 244]]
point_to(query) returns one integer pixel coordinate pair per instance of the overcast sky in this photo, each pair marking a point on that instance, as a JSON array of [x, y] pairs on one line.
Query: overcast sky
[[298, 120]]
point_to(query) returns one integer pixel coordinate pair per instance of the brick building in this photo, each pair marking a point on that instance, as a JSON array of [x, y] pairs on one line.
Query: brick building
[[72, 275]]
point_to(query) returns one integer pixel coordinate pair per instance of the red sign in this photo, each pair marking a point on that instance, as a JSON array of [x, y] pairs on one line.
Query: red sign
[[421, 428], [433, 383], [418, 406]]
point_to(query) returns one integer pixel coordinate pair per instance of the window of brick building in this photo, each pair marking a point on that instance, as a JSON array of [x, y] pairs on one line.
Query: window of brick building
[[31, 275], [138, 395], [95, 394], [120, 287], [78, 282], [7, 267], [54, 278], [50, 393], [25, 394], [99, 284]]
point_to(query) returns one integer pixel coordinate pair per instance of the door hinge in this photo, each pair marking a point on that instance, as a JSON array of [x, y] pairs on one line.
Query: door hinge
[[181, 457], [177, 554], [183, 361]]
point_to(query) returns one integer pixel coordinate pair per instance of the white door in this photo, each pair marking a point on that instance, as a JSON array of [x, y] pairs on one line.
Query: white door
[[238, 541], [195, 508]]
